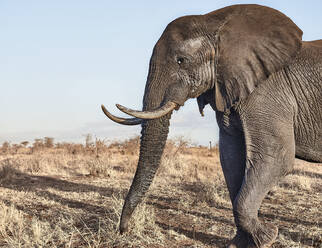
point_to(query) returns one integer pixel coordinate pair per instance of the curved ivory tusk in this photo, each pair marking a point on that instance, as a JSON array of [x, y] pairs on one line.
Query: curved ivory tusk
[[154, 114], [124, 121]]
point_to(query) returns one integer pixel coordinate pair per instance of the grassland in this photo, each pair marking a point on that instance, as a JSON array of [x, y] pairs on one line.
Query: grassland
[[71, 195]]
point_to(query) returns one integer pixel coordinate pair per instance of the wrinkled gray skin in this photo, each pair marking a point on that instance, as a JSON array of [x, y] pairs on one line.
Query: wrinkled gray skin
[[265, 84]]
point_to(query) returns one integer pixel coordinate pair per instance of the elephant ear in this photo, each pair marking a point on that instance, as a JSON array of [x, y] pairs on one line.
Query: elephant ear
[[252, 43]]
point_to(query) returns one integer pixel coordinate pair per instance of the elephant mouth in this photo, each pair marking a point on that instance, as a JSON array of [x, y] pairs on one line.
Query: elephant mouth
[[141, 115]]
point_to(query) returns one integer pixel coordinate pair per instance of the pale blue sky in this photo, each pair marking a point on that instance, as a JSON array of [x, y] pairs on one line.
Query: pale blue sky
[[59, 60]]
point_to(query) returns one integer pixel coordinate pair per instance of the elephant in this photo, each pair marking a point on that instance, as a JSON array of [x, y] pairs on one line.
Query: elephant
[[249, 63]]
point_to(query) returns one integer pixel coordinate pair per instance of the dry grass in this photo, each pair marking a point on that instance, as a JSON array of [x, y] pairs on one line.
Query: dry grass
[[71, 195]]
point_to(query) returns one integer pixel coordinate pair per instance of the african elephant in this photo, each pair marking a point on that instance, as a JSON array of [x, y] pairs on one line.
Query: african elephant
[[264, 83]]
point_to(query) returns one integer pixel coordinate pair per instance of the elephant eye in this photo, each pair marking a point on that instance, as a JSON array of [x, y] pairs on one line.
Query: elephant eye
[[180, 61]]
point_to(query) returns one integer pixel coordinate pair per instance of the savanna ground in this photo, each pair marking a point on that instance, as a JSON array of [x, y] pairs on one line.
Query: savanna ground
[[71, 195]]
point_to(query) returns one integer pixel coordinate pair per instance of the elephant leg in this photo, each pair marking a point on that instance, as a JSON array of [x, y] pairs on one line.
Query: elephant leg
[[232, 160], [270, 152], [246, 206]]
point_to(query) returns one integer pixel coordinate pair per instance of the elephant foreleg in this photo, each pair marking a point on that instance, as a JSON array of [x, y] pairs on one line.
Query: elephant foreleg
[[233, 159], [270, 152]]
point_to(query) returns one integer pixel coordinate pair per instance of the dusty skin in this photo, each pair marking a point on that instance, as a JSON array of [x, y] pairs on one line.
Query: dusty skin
[[70, 195]]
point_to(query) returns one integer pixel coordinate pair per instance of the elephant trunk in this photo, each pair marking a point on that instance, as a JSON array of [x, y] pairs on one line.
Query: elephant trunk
[[153, 139]]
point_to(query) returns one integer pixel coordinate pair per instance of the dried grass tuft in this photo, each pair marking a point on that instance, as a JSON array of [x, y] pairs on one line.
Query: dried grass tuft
[[71, 195]]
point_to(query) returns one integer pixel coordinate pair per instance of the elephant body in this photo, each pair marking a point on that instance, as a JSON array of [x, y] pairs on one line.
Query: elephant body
[[308, 124], [265, 85], [268, 140], [298, 88]]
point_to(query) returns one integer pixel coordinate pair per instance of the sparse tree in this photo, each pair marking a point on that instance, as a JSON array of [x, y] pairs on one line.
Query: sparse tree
[[38, 144], [24, 143], [49, 142], [5, 147], [15, 148], [88, 140]]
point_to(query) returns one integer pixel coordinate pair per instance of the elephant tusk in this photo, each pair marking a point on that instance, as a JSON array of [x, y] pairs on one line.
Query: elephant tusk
[[154, 114], [124, 121]]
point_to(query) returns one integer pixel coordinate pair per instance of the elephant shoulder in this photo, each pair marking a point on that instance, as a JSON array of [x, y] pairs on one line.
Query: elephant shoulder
[[309, 58], [312, 49], [314, 43]]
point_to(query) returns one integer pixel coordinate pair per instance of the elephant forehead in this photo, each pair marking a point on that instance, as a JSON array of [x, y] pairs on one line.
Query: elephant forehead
[[191, 45], [188, 46]]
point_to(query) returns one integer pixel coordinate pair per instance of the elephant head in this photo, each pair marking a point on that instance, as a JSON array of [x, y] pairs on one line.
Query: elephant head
[[219, 57]]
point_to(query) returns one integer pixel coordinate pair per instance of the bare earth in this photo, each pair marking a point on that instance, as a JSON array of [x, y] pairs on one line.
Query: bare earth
[[71, 196]]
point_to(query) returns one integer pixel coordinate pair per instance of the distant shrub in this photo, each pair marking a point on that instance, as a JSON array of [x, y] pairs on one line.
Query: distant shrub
[[5, 148], [129, 146], [70, 148], [48, 142], [100, 146], [89, 141], [37, 145], [24, 143]]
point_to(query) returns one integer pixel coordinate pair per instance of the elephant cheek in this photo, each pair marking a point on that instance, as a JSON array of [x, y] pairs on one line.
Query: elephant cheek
[[178, 93]]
